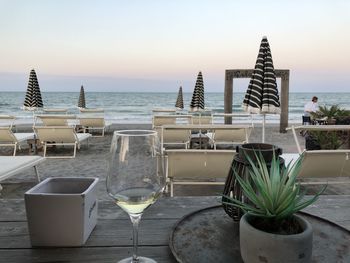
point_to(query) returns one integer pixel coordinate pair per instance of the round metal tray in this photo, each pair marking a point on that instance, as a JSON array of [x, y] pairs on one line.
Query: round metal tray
[[210, 235]]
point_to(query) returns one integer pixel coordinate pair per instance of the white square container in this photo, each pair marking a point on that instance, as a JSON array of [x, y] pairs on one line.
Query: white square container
[[61, 211]]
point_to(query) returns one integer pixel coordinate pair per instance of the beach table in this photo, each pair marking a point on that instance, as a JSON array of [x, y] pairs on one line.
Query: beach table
[[111, 240]]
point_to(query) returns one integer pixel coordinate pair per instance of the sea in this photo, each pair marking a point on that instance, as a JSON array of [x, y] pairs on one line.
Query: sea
[[136, 107]]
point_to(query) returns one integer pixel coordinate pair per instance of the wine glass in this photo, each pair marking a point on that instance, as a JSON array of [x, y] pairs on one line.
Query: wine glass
[[136, 177]]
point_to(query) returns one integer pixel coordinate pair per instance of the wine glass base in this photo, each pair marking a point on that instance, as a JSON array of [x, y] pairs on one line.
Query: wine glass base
[[140, 260]]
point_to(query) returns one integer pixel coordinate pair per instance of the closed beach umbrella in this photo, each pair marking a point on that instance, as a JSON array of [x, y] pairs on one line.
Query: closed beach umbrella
[[81, 102], [197, 103], [33, 98], [262, 93], [179, 101]]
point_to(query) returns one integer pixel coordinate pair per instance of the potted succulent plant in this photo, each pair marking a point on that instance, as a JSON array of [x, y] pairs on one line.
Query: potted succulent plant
[[270, 229]]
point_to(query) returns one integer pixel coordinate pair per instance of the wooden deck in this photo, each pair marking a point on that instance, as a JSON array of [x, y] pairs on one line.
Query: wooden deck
[[111, 240]]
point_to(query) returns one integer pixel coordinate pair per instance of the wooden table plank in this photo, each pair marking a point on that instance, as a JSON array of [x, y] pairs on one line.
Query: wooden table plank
[[86, 255], [112, 238]]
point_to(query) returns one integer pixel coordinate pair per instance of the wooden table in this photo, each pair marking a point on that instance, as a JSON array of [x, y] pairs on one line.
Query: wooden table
[[111, 240]]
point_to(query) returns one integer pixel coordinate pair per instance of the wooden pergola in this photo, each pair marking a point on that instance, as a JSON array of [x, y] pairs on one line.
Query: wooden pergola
[[231, 74]]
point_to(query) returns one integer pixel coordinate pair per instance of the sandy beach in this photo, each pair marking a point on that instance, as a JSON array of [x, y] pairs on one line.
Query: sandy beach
[[92, 162]]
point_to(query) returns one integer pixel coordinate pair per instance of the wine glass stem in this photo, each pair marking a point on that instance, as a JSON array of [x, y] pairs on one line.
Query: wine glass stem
[[135, 219]]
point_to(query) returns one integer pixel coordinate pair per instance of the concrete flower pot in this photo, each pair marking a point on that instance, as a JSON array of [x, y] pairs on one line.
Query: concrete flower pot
[[257, 246]]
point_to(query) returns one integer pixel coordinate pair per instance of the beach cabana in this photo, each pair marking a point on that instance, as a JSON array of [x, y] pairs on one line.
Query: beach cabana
[[262, 93]]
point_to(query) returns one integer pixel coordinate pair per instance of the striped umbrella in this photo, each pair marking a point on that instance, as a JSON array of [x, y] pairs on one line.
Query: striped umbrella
[[81, 102], [179, 101], [197, 103], [262, 93], [33, 98]]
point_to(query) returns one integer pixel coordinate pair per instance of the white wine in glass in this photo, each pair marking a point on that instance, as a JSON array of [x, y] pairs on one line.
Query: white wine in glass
[[136, 177]]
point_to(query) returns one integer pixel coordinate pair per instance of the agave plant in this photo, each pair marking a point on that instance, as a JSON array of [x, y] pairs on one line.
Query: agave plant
[[273, 193]]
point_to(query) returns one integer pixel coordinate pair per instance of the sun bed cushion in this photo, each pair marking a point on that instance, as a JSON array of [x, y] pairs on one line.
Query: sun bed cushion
[[83, 136], [24, 136]]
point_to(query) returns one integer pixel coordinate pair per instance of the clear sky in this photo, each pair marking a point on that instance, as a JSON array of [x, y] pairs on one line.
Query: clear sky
[[158, 45]]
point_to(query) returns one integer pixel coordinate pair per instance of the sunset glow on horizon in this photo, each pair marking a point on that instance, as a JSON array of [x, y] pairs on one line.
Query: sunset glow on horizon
[[173, 40]]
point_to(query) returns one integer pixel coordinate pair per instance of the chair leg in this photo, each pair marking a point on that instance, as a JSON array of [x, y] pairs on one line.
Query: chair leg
[[14, 149], [171, 189], [75, 150], [45, 145], [37, 173]]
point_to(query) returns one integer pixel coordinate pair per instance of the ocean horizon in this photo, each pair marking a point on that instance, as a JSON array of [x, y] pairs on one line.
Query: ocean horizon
[[136, 107]]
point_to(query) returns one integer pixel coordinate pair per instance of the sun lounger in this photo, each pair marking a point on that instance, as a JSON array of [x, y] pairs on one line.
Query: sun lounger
[[55, 110], [91, 110], [201, 120], [160, 120], [175, 137], [10, 139], [57, 120], [93, 123], [163, 111], [11, 165], [60, 135], [232, 136], [198, 167], [322, 166], [7, 120]]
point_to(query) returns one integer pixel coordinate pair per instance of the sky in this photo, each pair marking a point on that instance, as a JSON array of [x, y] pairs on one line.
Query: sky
[[159, 45]]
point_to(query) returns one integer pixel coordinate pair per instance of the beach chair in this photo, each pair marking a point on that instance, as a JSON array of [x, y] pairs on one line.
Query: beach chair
[[60, 135], [93, 123], [325, 164], [91, 110], [160, 120], [55, 110], [11, 165], [7, 120], [163, 111], [56, 120], [197, 167], [10, 139], [232, 136], [175, 137], [322, 166], [202, 119]]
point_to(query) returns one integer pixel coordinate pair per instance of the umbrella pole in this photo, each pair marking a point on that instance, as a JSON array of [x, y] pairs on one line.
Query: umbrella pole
[[263, 129]]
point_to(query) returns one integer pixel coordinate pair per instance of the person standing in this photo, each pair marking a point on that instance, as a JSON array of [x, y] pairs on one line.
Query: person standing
[[311, 106]]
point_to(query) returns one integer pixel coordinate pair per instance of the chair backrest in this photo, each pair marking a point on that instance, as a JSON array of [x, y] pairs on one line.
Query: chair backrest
[[55, 110], [200, 120], [239, 135], [58, 134], [175, 136], [91, 110], [199, 164], [163, 111], [6, 135], [7, 120], [92, 122], [55, 120], [325, 163], [160, 120]]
